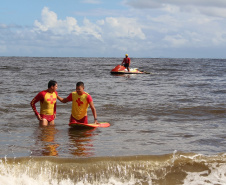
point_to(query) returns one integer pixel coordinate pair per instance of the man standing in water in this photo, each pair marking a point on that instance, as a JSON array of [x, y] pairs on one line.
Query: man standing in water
[[126, 62], [47, 100], [80, 102]]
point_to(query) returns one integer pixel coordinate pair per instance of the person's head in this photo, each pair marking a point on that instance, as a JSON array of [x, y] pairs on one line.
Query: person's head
[[126, 55], [52, 85], [80, 88]]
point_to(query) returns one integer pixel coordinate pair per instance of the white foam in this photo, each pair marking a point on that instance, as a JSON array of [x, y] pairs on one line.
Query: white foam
[[115, 181], [15, 175], [24, 179], [216, 175]]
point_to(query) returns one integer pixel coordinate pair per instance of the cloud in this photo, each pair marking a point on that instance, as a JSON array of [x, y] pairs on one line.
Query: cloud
[[91, 1], [162, 32], [122, 27], [176, 40], [109, 27], [3, 26], [208, 7], [185, 30], [108, 33], [50, 22], [162, 3], [92, 29], [214, 11]]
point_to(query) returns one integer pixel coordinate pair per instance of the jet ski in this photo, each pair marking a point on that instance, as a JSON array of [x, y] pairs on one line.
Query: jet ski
[[119, 69]]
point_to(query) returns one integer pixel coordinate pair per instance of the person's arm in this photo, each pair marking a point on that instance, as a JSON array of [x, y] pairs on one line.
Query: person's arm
[[63, 100], [93, 111], [123, 62], [33, 102], [54, 114]]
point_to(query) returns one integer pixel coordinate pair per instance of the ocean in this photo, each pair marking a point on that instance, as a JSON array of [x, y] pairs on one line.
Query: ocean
[[167, 127]]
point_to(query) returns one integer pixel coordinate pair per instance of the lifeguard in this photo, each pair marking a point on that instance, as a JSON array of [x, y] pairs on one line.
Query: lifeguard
[[126, 62], [47, 100], [80, 102]]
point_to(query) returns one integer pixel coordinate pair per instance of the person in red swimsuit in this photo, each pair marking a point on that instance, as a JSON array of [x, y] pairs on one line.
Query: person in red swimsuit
[[126, 62], [80, 102], [47, 99]]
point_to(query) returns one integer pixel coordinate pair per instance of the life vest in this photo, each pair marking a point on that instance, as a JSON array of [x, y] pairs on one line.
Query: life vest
[[80, 103], [127, 60], [47, 105], [47, 102]]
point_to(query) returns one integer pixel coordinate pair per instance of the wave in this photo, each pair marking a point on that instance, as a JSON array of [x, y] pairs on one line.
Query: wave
[[170, 169]]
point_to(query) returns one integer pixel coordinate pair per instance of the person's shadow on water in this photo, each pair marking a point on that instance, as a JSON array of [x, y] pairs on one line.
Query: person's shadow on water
[[45, 142]]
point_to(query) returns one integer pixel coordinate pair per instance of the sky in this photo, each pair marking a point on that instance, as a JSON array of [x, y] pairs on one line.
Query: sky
[[113, 28]]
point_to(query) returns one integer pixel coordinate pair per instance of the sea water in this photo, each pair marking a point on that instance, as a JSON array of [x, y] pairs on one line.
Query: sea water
[[167, 127]]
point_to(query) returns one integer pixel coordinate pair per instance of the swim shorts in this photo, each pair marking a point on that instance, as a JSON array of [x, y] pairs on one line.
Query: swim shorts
[[49, 118], [83, 120], [126, 65]]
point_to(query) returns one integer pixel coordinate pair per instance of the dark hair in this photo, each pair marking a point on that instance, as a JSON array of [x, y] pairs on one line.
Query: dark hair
[[80, 84], [52, 83]]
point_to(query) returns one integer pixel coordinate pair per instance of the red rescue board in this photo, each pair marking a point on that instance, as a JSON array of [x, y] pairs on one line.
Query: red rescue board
[[90, 125]]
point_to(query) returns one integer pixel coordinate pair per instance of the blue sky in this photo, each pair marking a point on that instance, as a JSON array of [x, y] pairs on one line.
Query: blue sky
[[98, 28]]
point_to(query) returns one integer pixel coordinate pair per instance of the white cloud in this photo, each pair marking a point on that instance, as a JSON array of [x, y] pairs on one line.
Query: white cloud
[[184, 31], [161, 32], [176, 40], [104, 35], [92, 29], [100, 22], [50, 22], [208, 7], [220, 37], [122, 27], [113, 27]]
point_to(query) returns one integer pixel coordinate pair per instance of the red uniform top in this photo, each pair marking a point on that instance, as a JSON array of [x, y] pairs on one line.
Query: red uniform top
[[126, 60], [47, 102]]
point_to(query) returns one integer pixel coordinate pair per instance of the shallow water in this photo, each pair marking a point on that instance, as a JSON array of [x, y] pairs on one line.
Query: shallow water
[[180, 107]]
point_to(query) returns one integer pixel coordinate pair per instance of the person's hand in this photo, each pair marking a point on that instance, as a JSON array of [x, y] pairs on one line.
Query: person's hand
[[95, 121], [39, 117]]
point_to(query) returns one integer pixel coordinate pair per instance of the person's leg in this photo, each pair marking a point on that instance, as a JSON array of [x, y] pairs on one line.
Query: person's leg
[[47, 120], [51, 122], [43, 122], [127, 66]]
